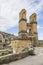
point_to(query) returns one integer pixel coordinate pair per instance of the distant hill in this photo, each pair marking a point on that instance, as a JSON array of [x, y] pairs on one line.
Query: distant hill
[[40, 40]]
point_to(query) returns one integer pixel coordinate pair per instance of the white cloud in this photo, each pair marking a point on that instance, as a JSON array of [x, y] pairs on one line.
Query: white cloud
[[39, 27], [9, 11], [40, 36], [40, 32], [7, 23]]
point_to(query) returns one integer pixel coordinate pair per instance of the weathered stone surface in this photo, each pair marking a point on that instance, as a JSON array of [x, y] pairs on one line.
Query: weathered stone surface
[[13, 57], [31, 60]]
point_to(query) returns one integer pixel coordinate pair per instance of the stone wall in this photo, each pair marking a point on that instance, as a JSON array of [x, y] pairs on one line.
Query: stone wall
[[19, 45], [13, 57]]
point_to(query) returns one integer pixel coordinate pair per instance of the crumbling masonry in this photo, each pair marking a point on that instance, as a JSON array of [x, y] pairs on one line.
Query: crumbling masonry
[[27, 35]]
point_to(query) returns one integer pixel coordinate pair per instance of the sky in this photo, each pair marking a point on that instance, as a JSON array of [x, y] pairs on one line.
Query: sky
[[9, 14]]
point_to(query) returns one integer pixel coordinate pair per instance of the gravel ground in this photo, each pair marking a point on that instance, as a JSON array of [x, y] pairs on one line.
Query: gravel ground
[[31, 60]]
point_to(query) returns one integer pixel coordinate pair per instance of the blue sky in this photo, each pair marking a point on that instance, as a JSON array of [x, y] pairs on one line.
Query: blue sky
[[9, 14]]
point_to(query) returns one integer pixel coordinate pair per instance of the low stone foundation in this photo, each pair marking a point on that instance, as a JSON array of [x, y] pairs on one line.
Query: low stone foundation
[[13, 57]]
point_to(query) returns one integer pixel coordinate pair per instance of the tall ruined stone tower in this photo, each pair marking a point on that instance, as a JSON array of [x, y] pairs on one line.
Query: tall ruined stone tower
[[28, 30], [33, 23], [22, 23]]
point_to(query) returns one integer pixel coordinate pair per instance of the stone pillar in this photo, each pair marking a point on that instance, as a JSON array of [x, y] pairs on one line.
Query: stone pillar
[[33, 23], [22, 22]]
